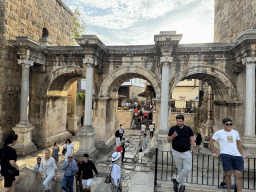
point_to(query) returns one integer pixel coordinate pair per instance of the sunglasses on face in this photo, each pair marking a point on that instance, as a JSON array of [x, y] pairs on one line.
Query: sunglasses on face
[[229, 124], [69, 157]]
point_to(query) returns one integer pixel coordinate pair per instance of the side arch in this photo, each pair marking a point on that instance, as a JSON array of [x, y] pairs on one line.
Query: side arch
[[115, 79], [62, 78], [220, 81]]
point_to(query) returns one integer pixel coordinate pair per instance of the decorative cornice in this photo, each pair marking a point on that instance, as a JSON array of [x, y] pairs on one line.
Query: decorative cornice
[[25, 63]]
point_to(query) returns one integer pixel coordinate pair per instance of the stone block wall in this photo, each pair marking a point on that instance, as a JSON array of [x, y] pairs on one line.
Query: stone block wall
[[232, 18], [125, 118], [29, 18], [26, 18]]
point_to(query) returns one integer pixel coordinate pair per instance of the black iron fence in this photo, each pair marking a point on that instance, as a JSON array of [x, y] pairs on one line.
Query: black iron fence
[[206, 170]]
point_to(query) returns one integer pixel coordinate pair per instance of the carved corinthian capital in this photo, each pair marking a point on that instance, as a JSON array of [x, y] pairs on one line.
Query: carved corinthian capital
[[165, 61], [249, 62], [90, 62], [25, 63]]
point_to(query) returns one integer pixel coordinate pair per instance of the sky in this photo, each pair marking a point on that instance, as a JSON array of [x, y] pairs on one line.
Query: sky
[[135, 22]]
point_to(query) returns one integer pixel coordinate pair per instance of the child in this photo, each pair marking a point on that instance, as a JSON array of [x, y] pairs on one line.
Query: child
[[116, 173]]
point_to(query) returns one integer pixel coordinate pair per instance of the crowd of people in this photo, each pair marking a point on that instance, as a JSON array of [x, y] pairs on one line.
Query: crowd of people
[[180, 135]]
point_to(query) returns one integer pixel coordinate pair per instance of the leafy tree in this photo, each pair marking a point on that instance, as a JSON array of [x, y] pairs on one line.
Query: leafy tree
[[78, 26]]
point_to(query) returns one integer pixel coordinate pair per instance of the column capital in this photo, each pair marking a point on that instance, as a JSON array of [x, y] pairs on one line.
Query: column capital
[[166, 61], [25, 63], [90, 62], [249, 62]]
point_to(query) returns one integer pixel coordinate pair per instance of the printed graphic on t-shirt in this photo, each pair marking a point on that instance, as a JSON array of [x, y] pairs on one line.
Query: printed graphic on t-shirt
[[230, 139]]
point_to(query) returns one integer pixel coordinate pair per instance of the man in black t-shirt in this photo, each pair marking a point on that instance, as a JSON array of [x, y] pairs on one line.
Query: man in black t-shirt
[[182, 139], [86, 166]]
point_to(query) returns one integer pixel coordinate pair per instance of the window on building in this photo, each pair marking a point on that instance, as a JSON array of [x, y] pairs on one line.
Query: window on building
[[45, 32]]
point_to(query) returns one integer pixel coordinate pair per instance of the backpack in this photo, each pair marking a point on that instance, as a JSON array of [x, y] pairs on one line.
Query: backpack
[[122, 145]]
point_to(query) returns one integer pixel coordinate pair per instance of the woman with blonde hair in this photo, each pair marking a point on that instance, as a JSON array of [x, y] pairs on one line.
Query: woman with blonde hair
[[48, 166]]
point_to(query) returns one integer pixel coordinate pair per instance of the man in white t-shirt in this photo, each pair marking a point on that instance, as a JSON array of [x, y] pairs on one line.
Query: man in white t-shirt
[[151, 129], [143, 128], [231, 153]]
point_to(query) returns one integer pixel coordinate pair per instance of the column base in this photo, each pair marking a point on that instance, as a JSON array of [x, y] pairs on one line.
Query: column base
[[24, 145], [86, 143], [249, 146], [162, 142], [72, 125], [45, 142], [105, 146]]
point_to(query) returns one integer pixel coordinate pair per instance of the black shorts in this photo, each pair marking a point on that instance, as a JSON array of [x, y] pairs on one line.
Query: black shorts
[[8, 179]]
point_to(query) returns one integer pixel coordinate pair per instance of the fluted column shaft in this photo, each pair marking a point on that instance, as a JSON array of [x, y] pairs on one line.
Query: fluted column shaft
[[250, 62], [24, 102], [165, 62], [89, 91]]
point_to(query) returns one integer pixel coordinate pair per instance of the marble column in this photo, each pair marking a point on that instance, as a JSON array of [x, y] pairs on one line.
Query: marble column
[[72, 120], [163, 131], [165, 62], [87, 133], [250, 62], [23, 129], [249, 138]]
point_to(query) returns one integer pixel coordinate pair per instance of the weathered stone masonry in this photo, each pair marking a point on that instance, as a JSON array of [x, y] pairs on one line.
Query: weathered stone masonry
[[50, 19]]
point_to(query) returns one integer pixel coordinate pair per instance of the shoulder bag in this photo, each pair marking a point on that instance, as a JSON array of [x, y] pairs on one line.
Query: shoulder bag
[[108, 178]]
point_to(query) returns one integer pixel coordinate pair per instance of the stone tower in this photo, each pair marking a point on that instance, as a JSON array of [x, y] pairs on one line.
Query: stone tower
[[47, 21], [232, 17]]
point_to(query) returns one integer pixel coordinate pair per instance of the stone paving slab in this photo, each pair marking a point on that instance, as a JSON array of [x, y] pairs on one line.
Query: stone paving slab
[[142, 182]]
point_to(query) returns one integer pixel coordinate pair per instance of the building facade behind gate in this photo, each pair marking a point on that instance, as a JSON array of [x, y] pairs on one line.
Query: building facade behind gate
[[45, 28]]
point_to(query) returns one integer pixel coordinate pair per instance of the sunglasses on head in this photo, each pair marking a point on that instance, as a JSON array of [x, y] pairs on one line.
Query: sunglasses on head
[[228, 124]]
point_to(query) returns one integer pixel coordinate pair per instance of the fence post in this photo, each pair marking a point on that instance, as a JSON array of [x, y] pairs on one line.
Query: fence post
[[156, 166]]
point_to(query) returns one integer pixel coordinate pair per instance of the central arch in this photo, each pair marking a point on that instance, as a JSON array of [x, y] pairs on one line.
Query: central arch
[[114, 80]]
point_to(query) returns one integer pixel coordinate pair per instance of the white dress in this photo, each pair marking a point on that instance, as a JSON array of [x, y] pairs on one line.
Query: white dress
[[69, 150]]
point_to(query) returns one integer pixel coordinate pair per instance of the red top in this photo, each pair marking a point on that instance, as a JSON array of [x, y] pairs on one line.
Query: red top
[[145, 114], [136, 110], [119, 149]]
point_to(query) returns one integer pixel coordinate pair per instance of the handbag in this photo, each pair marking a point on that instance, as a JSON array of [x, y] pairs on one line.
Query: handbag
[[15, 172], [64, 151], [108, 178]]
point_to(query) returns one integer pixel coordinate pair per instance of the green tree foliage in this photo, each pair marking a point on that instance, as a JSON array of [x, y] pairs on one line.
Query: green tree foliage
[[79, 26], [80, 98]]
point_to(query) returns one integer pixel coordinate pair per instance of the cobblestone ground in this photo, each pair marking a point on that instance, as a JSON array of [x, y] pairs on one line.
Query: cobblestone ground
[[133, 162]]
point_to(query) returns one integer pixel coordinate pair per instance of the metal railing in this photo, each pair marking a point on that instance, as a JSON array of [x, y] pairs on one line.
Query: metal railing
[[206, 170]]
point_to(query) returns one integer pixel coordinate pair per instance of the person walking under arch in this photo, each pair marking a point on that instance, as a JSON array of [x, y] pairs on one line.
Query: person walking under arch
[[70, 148], [70, 168], [9, 168], [198, 141], [182, 139], [48, 166], [231, 153], [86, 168]]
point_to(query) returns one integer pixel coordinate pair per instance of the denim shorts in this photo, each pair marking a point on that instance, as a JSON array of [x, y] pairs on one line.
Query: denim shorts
[[230, 162]]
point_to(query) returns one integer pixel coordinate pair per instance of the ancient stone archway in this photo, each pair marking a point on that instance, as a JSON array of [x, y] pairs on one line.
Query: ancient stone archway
[[114, 80], [217, 79], [62, 78]]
